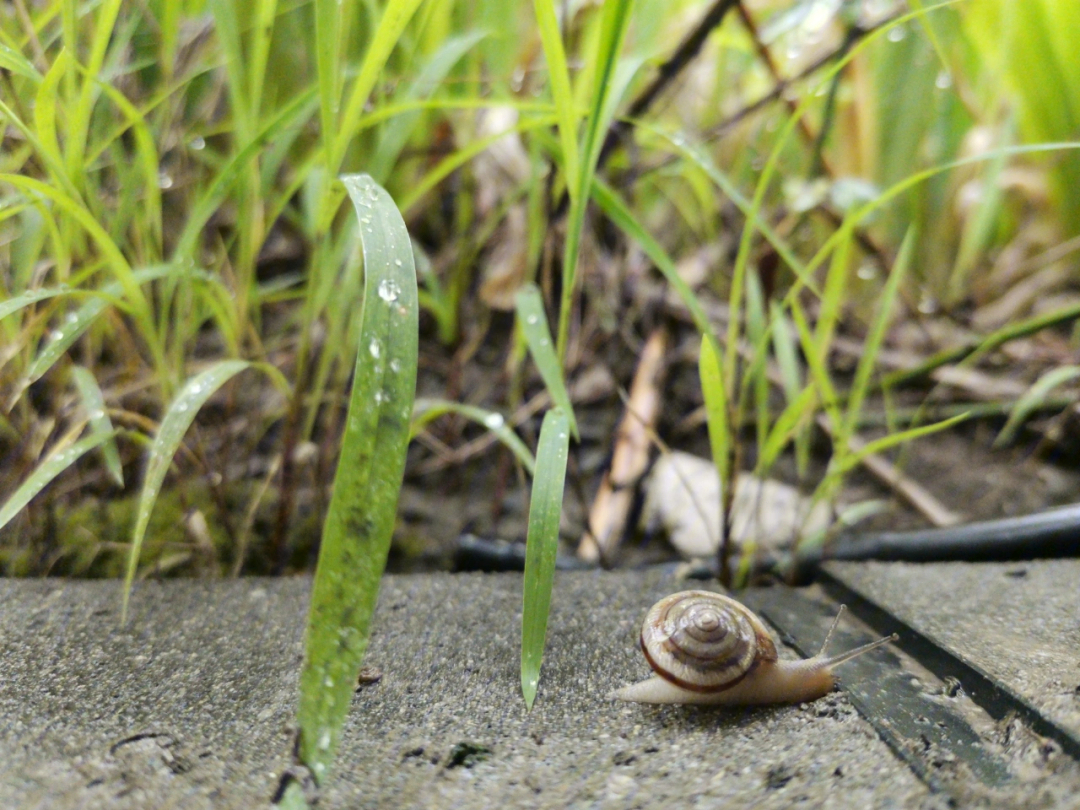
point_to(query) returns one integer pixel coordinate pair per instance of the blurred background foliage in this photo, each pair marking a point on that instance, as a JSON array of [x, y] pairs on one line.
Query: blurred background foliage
[[167, 200]]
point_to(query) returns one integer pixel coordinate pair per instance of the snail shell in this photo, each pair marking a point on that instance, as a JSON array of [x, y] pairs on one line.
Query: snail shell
[[708, 648]]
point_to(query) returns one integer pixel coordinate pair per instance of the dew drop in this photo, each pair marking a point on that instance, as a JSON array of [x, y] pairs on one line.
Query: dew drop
[[324, 741], [395, 365], [373, 347], [943, 80], [388, 290], [165, 180], [397, 262], [532, 319], [897, 33], [198, 142], [494, 421]]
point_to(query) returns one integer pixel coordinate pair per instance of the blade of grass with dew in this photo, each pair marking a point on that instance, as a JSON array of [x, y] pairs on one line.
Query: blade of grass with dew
[[872, 345], [545, 509], [140, 306], [18, 64], [534, 326], [360, 519], [292, 114], [94, 403], [47, 471], [178, 418], [1034, 398], [77, 322], [15, 303], [427, 410]]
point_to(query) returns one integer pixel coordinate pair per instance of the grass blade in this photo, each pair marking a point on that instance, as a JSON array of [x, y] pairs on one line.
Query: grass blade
[[77, 322], [174, 425], [872, 346], [619, 213], [395, 135], [1033, 398], [721, 440], [547, 23], [94, 402], [47, 471], [29, 297], [887, 442], [360, 519], [545, 509], [534, 325], [608, 88], [427, 410], [395, 17]]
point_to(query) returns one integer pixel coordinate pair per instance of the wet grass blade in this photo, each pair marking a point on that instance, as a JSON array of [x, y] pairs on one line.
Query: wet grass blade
[[15, 303], [94, 402], [534, 325], [77, 322], [545, 508], [360, 519], [47, 471], [427, 410], [178, 418]]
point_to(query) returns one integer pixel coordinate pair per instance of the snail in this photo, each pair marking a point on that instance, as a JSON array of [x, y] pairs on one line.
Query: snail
[[709, 649]]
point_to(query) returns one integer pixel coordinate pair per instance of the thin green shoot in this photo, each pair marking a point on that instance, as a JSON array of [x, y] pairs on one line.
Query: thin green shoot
[[545, 509]]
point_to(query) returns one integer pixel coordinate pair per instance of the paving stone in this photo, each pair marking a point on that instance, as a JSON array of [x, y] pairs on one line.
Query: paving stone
[[1020, 622], [191, 705]]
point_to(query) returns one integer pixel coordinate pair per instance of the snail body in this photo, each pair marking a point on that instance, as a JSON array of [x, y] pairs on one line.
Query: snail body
[[708, 649]]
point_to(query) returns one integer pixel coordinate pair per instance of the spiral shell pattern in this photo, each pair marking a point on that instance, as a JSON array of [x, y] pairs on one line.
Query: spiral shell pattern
[[703, 641]]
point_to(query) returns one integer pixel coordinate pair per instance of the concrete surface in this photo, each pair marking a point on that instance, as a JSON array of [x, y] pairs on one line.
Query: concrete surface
[[1019, 621], [191, 706]]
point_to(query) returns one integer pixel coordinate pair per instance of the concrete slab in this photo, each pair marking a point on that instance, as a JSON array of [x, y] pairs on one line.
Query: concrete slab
[[191, 706], [1020, 622]]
